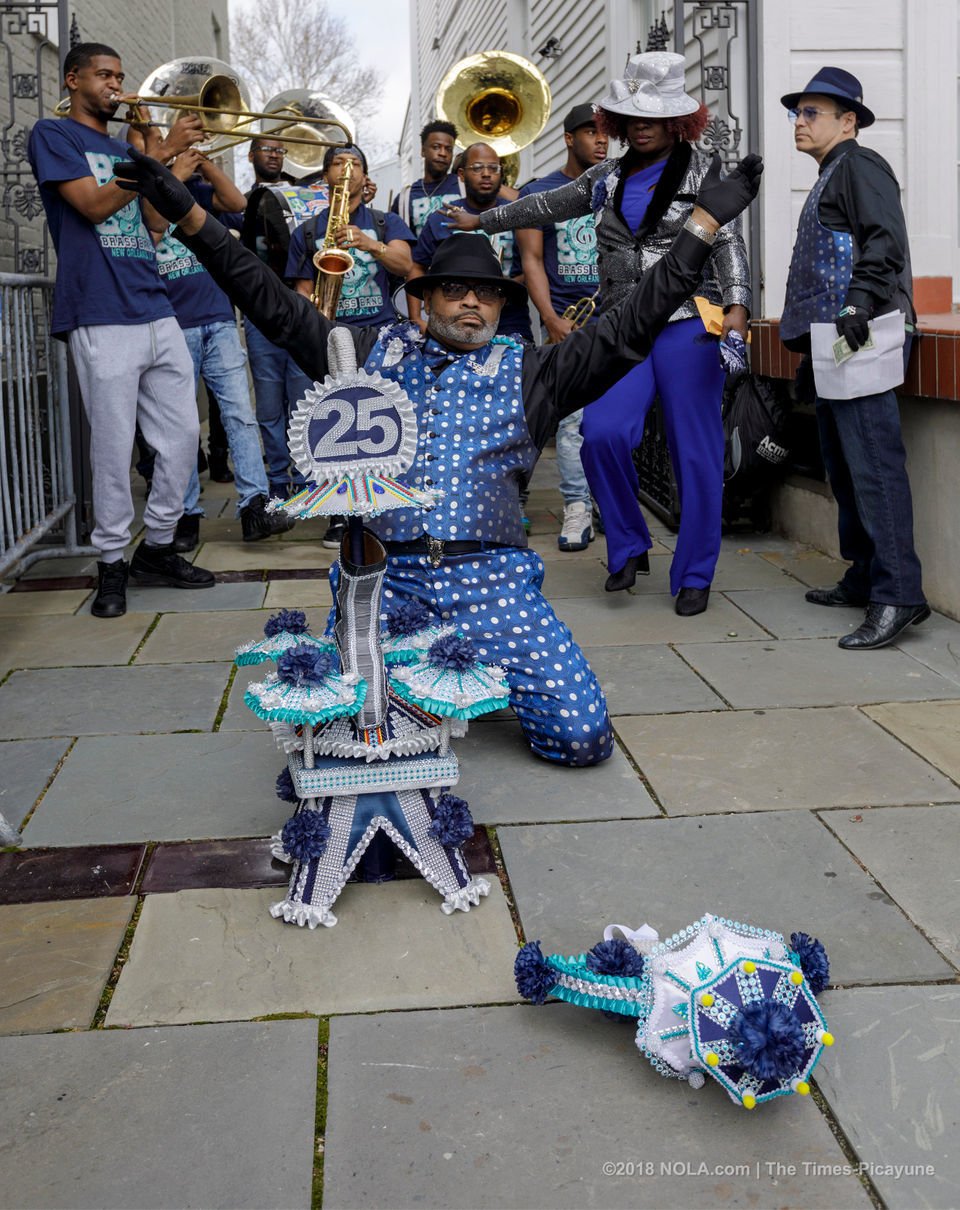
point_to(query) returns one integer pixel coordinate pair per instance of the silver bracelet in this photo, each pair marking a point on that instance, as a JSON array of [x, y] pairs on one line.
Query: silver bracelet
[[700, 232]]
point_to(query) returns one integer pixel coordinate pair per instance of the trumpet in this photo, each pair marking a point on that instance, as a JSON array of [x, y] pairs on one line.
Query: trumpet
[[580, 312], [333, 263]]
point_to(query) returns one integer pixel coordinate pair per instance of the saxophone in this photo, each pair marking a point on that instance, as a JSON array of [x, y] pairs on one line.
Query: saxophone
[[333, 263]]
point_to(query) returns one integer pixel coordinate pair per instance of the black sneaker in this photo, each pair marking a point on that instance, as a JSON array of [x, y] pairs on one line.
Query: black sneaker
[[161, 565], [257, 523], [335, 531], [187, 535], [111, 598]]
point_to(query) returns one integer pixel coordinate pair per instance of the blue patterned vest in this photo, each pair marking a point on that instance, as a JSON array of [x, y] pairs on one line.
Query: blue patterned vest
[[820, 268], [473, 444]]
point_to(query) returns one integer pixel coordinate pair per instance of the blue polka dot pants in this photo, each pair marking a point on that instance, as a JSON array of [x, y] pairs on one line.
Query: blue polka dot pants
[[494, 598]]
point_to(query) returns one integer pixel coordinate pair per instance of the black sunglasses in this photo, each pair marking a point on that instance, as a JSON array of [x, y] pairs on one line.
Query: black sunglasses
[[453, 291]]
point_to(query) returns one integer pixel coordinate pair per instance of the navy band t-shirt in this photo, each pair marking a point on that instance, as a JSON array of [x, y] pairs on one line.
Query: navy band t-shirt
[[425, 200], [569, 250], [106, 272], [515, 317], [196, 297], [365, 295]]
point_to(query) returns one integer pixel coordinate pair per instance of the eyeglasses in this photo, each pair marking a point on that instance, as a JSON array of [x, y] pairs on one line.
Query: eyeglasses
[[810, 113], [278, 151], [453, 291], [479, 169]]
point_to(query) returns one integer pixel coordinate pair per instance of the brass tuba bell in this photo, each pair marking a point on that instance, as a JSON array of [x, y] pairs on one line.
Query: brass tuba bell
[[496, 98]]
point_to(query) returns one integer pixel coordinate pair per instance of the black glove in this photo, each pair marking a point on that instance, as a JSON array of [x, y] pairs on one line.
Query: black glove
[[853, 323], [725, 199], [156, 184]]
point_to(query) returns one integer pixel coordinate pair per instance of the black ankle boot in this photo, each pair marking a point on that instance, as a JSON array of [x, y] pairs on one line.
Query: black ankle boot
[[187, 534], [217, 462], [111, 598], [626, 577]]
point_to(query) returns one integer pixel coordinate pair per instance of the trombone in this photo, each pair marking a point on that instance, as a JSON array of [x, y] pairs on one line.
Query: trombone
[[221, 103]]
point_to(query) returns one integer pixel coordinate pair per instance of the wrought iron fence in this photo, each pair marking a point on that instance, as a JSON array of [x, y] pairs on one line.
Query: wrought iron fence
[[36, 468]]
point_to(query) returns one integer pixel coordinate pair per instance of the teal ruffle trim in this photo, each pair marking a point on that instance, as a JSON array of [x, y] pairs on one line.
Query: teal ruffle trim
[[446, 709], [283, 714]]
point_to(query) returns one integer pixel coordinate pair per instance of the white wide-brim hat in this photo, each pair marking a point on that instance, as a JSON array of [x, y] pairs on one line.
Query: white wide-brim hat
[[652, 87]]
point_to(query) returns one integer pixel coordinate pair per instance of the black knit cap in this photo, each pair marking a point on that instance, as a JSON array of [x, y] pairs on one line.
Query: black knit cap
[[465, 256]]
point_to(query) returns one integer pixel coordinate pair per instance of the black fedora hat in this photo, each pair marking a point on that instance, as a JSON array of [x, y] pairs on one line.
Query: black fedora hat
[[835, 82], [464, 256]]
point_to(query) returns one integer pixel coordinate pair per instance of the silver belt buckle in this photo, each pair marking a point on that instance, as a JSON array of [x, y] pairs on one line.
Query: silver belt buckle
[[434, 550]]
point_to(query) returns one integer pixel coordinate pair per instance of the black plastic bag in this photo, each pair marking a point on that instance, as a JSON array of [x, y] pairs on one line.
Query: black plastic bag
[[755, 429]]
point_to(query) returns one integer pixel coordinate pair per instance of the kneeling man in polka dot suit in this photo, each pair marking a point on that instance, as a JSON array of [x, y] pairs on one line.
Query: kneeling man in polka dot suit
[[486, 406]]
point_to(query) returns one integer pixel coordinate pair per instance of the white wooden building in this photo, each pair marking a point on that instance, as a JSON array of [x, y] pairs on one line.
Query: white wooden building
[[904, 52]]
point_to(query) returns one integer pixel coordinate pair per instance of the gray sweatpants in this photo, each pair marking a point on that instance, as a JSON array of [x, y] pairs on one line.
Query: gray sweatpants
[[130, 373]]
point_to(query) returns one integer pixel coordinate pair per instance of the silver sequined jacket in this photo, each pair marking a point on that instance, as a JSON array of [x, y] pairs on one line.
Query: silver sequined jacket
[[621, 257]]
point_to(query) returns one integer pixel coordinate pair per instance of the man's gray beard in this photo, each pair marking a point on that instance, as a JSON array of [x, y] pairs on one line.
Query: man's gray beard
[[450, 329]]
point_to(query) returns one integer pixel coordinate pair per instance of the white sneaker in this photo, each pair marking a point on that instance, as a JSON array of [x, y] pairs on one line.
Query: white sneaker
[[577, 532]]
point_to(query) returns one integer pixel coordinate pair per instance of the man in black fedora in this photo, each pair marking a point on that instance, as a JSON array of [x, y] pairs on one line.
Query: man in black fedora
[[851, 262], [485, 407]]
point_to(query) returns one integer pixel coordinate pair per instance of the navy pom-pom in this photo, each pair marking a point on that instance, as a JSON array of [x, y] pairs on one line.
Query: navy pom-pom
[[304, 665], [452, 651], [408, 618], [768, 1039], [305, 836], [452, 823], [813, 960], [616, 957], [533, 974], [293, 621], [286, 791]]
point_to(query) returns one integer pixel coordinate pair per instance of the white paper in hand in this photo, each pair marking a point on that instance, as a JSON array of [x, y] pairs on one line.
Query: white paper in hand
[[876, 367]]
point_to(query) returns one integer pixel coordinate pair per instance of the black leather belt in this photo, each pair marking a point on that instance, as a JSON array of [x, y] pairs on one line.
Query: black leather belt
[[437, 549]]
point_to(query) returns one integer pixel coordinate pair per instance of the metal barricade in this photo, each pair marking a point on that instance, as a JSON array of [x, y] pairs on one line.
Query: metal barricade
[[37, 499]]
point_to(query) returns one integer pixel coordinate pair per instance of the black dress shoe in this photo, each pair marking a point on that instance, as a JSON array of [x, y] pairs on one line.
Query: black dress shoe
[[691, 601], [837, 595], [162, 566], [256, 523], [111, 598], [187, 534], [882, 625], [626, 577]]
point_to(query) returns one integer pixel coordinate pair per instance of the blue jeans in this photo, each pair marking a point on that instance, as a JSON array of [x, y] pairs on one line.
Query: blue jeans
[[573, 481], [866, 463], [278, 384], [218, 358]]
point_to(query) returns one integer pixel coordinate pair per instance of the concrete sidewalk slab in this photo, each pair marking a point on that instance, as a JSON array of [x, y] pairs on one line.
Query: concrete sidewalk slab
[[936, 643], [738, 569], [748, 760], [54, 641], [893, 1081], [176, 787], [26, 765], [219, 1116], [649, 680], [811, 567], [535, 1107], [812, 672], [59, 601], [785, 613], [621, 618], [930, 728], [780, 869], [578, 578], [181, 638], [505, 783], [298, 594], [912, 853], [238, 716], [111, 701], [218, 955], [258, 556], [55, 959], [207, 600]]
